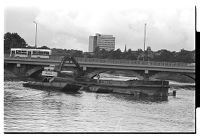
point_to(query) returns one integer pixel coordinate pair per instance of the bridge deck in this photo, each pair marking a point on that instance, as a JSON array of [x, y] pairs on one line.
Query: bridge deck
[[109, 63]]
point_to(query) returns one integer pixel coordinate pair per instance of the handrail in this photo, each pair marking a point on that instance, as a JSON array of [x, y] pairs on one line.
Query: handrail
[[114, 61]]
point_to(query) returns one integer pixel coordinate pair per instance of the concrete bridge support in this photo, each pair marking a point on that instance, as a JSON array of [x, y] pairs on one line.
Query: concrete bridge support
[[84, 68], [146, 75], [22, 70], [17, 69]]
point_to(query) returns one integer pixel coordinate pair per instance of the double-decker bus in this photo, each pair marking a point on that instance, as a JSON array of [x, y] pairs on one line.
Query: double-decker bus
[[30, 53]]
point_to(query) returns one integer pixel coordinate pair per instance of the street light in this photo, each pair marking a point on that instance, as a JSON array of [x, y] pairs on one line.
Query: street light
[[144, 39], [35, 34]]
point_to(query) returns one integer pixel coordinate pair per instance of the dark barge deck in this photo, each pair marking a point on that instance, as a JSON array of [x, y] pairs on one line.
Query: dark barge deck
[[132, 87]]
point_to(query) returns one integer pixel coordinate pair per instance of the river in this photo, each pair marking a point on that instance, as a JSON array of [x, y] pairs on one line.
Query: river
[[32, 110]]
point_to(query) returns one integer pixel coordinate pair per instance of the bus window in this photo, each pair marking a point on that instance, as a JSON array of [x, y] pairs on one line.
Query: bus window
[[46, 53], [12, 53], [35, 53], [18, 52], [29, 53]]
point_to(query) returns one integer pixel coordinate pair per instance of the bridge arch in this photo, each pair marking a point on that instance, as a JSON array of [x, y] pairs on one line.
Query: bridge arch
[[95, 73], [171, 75], [188, 75], [129, 73], [32, 71]]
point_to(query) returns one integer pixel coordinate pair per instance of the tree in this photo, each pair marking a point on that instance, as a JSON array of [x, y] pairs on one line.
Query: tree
[[30, 47], [43, 47], [193, 56], [103, 54], [13, 40], [140, 54], [130, 55], [117, 54], [76, 53], [96, 52], [185, 56], [149, 53], [164, 55]]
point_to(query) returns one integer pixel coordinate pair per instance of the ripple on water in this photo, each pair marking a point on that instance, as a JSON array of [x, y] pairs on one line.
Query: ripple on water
[[32, 110]]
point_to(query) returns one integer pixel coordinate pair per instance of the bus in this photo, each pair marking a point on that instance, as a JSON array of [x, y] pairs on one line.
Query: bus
[[30, 53]]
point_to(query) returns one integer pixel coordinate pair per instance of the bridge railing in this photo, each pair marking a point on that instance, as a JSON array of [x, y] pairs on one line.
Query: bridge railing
[[133, 62], [117, 61]]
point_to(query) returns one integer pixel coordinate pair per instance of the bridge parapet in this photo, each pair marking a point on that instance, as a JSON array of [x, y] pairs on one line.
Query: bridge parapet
[[134, 62], [112, 62]]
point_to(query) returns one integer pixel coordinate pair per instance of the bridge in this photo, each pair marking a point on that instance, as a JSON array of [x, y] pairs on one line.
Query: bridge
[[143, 69]]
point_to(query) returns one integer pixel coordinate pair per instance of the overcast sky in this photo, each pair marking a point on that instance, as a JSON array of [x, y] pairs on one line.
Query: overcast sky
[[68, 24]]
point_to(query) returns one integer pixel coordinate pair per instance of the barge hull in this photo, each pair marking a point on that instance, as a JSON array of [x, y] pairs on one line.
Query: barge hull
[[53, 85], [149, 91]]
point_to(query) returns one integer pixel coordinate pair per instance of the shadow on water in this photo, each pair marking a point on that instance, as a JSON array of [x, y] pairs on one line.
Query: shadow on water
[[60, 92], [53, 90], [132, 98], [61, 100], [141, 98]]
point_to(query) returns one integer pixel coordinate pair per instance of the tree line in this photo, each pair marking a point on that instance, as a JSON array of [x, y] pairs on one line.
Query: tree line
[[13, 40]]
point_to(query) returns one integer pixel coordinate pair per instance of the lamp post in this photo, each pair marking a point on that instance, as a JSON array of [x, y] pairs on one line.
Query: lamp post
[[144, 39], [35, 34]]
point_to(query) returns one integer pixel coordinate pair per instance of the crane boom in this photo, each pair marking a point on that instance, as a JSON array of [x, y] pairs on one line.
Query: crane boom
[[68, 57]]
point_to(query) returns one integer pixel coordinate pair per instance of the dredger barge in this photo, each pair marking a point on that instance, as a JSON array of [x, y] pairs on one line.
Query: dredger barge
[[69, 82]]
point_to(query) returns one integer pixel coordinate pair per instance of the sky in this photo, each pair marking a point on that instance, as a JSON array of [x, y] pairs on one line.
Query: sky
[[67, 24]]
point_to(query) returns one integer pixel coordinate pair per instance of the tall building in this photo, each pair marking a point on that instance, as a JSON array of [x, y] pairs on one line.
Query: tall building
[[106, 42]]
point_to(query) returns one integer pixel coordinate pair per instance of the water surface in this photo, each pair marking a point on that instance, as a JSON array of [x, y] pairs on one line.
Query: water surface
[[32, 110]]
